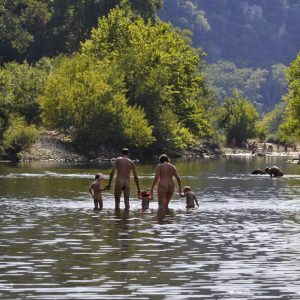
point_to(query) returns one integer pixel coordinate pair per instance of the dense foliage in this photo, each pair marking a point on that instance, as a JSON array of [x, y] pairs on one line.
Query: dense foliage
[[86, 99], [290, 129], [238, 118], [20, 86], [263, 88], [128, 78], [31, 29], [250, 33], [128, 68]]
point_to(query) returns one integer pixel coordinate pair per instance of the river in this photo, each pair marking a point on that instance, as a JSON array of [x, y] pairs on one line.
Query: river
[[242, 243]]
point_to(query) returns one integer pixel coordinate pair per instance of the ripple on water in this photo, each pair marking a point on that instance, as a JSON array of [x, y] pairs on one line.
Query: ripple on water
[[237, 245]]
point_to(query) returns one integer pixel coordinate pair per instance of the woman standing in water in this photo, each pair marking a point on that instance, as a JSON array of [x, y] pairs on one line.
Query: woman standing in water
[[164, 177]]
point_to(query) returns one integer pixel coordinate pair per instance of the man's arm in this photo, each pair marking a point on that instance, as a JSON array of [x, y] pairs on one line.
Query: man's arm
[[178, 180], [90, 190], [136, 180], [155, 180], [111, 175]]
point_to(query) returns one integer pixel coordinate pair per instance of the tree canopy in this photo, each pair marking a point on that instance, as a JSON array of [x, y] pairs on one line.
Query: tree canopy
[[130, 74], [238, 117], [162, 74], [290, 129], [31, 29]]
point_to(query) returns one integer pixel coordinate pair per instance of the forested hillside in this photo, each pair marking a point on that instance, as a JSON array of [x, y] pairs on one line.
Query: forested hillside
[[248, 43], [249, 33], [31, 29], [109, 73]]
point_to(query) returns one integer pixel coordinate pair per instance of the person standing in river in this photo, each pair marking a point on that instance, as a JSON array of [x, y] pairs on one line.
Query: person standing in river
[[274, 171], [164, 174], [124, 167]]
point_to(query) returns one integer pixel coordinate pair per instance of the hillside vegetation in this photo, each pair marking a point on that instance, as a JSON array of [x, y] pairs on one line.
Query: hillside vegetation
[[109, 74]]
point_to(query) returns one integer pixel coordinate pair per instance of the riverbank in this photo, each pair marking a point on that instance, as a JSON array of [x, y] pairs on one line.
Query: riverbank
[[53, 146]]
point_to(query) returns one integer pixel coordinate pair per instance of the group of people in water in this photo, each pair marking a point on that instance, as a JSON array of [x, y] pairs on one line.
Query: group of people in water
[[123, 167], [165, 172], [272, 171]]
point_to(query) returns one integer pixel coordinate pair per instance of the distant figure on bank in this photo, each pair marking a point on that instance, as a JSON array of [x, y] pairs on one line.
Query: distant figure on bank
[[146, 197], [233, 144], [190, 197], [164, 174], [96, 190], [123, 166], [274, 171], [258, 172]]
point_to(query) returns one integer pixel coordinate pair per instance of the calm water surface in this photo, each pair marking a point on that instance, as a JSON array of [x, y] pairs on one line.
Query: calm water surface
[[242, 243]]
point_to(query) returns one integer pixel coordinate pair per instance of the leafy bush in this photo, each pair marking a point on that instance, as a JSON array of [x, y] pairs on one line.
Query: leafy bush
[[86, 98], [19, 136]]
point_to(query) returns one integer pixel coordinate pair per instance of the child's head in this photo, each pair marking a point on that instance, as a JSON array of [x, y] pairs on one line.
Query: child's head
[[99, 176], [187, 189]]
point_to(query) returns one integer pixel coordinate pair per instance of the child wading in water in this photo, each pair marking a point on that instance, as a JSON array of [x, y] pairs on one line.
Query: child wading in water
[[190, 197], [96, 190], [145, 196]]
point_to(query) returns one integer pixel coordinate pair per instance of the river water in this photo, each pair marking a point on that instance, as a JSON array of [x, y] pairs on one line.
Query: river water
[[242, 243]]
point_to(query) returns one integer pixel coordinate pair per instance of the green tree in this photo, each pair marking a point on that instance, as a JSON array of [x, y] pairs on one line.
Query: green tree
[[290, 128], [31, 29], [86, 98], [20, 86], [224, 77], [268, 127], [162, 71], [238, 117]]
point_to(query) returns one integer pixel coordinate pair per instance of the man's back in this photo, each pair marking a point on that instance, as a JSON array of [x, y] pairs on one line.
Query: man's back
[[123, 166]]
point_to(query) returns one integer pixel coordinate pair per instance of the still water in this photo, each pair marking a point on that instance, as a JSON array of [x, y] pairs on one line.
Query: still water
[[242, 243]]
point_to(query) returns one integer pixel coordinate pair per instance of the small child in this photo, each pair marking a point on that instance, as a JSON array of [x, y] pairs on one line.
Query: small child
[[190, 197], [96, 191], [146, 196]]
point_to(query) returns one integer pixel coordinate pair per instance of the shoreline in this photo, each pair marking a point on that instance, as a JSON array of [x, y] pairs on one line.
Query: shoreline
[[53, 146]]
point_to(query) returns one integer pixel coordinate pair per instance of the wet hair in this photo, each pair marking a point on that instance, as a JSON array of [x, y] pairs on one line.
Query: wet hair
[[186, 189], [267, 170], [125, 151], [163, 158], [98, 176]]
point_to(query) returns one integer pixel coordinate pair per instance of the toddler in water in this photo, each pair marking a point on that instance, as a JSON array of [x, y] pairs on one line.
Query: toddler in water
[[190, 197], [96, 191], [145, 196]]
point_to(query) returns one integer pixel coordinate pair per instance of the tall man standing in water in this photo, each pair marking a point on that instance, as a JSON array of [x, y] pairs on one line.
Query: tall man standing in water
[[124, 166]]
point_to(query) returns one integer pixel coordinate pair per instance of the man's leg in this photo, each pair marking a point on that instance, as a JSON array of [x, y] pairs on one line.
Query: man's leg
[[126, 191], [118, 192]]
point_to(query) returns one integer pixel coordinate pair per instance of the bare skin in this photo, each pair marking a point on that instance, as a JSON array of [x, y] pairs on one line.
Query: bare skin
[[123, 166], [274, 171], [191, 199], [164, 177], [96, 191]]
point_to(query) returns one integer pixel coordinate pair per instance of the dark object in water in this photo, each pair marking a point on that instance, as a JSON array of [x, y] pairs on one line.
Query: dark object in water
[[274, 171], [258, 172]]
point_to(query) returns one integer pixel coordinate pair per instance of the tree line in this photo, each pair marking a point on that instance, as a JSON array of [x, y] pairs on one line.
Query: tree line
[[135, 81]]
